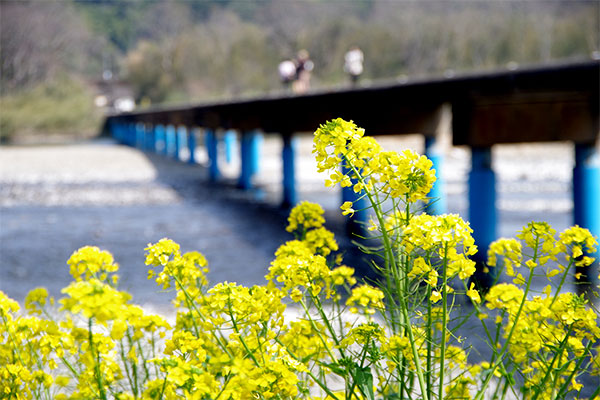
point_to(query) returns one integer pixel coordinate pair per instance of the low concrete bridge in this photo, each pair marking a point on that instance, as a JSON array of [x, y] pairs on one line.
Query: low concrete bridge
[[541, 104]]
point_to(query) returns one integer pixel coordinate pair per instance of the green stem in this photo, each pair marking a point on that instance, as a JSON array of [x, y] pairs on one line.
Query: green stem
[[314, 378], [416, 356], [562, 282], [362, 363], [319, 307], [15, 346], [389, 255], [227, 380], [557, 356], [504, 348], [314, 325], [144, 360], [444, 322], [236, 330], [491, 341], [429, 344], [96, 355], [133, 367], [126, 364], [70, 367], [379, 214], [192, 306], [577, 367], [403, 377], [153, 344], [164, 386]]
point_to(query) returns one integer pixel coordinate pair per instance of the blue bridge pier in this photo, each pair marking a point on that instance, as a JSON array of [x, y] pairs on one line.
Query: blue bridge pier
[[586, 202], [539, 104], [482, 209], [290, 194]]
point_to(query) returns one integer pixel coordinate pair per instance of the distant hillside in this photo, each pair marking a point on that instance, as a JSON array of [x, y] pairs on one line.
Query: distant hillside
[[178, 51]]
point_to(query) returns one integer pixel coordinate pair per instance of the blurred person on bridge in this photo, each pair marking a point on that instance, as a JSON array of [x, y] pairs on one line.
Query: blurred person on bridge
[[287, 73], [304, 67], [353, 63]]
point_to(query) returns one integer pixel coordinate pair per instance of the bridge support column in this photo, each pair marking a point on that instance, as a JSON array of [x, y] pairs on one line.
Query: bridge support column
[[229, 139], [210, 140], [290, 197], [176, 143], [255, 146], [131, 134], [180, 142], [116, 129], [482, 210], [139, 136], [171, 137], [356, 223], [586, 205], [161, 139], [148, 137], [437, 201], [249, 151], [191, 142], [122, 132], [127, 134], [154, 137]]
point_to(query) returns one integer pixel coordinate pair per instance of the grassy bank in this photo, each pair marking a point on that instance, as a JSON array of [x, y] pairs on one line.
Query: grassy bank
[[62, 108]]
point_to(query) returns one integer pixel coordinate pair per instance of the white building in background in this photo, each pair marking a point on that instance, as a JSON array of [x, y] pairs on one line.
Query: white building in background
[[114, 96]]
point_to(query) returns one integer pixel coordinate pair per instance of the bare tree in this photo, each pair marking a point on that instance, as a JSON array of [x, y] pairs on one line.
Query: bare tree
[[38, 39]]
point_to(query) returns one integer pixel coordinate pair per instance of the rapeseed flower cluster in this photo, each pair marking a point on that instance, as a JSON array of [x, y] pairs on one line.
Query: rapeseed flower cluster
[[97, 348], [407, 176], [550, 335], [368, 297], [91, 262], [314, 330], [576, 242], [510, 249]]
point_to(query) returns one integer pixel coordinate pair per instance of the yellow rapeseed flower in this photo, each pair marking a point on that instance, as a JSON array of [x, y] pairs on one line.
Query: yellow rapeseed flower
[[367, 297], [91, 262], [473, 293], [305, 215]]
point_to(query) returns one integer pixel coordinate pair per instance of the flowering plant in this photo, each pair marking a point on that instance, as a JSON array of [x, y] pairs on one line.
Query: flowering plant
[[313, 331]]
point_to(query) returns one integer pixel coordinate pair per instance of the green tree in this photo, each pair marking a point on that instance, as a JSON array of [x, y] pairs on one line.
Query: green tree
[[148, 71]]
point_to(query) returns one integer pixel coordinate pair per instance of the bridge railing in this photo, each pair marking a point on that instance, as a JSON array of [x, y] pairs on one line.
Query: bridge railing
[[541, 104]]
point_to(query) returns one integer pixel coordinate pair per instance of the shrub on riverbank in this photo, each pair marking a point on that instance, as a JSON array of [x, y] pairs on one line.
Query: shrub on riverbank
[[394, 339], [63, 107]]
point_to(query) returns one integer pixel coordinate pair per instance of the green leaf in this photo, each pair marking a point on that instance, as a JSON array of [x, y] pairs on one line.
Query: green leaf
[[364, 380], [335, 368]]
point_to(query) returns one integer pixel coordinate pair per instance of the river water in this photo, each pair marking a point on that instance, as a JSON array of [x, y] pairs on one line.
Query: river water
[[55, 199]]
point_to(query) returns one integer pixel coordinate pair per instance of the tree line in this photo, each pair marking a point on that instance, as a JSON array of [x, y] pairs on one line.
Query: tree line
[[178, 51]]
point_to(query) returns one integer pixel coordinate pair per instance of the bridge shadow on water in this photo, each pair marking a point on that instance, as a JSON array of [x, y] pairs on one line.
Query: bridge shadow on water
[[257, 213]]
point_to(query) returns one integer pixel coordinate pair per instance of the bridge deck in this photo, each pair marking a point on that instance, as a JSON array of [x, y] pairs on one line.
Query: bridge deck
[[550, 103], [543, 104]]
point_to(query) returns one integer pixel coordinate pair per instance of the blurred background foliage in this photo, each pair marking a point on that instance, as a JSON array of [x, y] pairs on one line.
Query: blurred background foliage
[[55, 54]]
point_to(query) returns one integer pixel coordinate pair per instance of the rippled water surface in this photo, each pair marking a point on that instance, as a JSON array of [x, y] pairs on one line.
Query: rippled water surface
[[55, 199]]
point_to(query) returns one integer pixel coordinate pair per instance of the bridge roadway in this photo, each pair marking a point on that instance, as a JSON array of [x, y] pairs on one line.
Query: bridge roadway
[[548, 103]]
